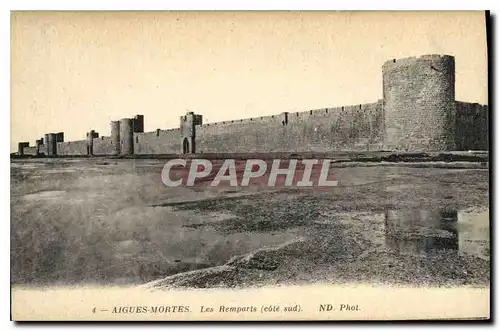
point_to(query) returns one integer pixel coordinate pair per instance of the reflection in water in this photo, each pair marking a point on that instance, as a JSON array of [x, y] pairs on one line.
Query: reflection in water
[[428, 231], [421, 231], [474, 233]]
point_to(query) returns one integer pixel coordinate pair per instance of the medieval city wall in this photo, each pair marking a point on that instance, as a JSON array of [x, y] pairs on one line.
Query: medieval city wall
[[31, 150], [43, 149], [471, 126], [158, 142], [102, 146], [77, 147], [418, 112], [357, 127], [247, 135]]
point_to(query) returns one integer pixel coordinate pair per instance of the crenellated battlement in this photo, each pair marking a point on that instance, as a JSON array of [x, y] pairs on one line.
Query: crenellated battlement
[[396, 63], [417, 112]]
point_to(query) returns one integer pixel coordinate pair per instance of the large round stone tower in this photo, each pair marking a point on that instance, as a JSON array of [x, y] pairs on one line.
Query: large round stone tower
[[115, 137], [419, 103], [52, 144], [127, 136]]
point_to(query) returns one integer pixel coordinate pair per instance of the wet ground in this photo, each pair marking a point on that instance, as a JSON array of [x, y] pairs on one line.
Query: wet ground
[[87, 221]]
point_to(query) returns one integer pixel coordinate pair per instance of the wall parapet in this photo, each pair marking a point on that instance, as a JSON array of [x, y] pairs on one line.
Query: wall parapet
[[417, 112], [396, 63]]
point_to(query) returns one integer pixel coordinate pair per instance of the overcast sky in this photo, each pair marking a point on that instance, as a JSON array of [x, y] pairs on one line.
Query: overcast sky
[[74, 72]]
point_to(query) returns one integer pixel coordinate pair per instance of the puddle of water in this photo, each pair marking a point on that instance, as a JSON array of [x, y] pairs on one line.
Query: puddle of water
[[474, 232], [45, 195], [420, 231], [71, 170], [23, 166], [417, 231], [399, 188], [141, 244], [58, 171]]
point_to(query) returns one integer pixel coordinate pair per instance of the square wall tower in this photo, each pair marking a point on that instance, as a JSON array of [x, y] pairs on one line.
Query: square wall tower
[[21, 146], [139, 123], [188, 131]]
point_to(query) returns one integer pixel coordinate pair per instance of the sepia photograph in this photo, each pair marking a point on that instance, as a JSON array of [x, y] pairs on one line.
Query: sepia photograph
[[249, 165]]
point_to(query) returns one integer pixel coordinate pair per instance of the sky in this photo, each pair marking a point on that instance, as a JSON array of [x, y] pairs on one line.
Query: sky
[[77, 71]]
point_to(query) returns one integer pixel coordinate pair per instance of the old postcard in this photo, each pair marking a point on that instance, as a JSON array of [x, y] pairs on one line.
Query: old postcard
[[249, 166]]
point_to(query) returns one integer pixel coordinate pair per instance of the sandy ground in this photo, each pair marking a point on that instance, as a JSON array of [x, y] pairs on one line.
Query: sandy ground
[[88, 221]]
